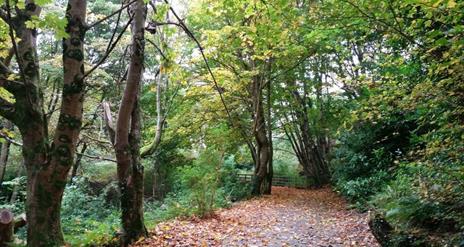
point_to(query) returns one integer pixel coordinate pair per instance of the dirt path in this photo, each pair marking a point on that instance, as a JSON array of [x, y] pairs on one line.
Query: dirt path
[[289, 217]]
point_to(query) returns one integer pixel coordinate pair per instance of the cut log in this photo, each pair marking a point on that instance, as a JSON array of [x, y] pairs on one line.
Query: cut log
[[6, 227]]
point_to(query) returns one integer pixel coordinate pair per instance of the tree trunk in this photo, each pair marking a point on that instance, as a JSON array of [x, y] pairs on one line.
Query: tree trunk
[[132, 198], [270, 170], [154, 180], [14, 193], [261, 182], [127, 139], [47, 169], [43, 206], [6, 227], [77, 163], [4, 153], [307, 145], [47, 165], [160, 119]]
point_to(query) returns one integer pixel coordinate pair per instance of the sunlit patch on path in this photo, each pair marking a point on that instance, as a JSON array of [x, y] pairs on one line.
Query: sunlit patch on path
[[288, 217]]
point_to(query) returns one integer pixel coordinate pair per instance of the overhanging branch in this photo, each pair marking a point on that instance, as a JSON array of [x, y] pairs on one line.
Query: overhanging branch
[[19, 144]]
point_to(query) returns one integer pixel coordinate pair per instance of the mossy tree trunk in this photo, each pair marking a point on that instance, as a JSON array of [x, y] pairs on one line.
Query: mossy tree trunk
[[127, 136], [47, 165]]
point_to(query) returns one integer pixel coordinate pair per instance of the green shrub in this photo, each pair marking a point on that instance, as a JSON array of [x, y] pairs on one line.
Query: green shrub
[[232, 189], [94, 232], [365, 159], [88, 220], [408, 173], [201, 181], [361, 189], [423, 200], [199, 188], [8, 187], [101, 172]]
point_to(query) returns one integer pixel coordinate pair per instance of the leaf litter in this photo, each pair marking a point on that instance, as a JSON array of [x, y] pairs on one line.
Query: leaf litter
[[288, 217]]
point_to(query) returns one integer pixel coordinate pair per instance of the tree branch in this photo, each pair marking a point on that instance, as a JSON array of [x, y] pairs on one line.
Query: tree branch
[[97, 157], [108, 52], [19, 144], [7, 109], [13, 41], [182, 25], [4, 70], [157, 48], [10, 140], [384, 23], [111, 15], [10, 85], [109, 121]]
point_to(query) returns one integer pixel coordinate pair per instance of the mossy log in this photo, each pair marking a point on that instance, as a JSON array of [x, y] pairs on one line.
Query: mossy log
[[381, 229]]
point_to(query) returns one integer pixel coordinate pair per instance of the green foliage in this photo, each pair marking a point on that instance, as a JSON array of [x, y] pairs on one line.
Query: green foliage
[[6, 95], [365, 157], [18, 186], [100, 172], [199, 188], [232, 188], [52, 21], [201, 181], [387, 74], [425, 200], [403, 151], [87, 220], [93, 232], [293, 172]]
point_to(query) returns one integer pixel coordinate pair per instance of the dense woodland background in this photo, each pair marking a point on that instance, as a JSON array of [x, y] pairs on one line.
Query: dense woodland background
[[119, 115]]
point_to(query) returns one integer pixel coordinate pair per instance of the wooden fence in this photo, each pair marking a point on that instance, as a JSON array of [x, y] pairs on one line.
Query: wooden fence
[[277, 180]]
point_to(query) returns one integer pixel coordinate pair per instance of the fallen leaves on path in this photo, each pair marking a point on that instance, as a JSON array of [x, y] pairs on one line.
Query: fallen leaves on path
[[288, 217]]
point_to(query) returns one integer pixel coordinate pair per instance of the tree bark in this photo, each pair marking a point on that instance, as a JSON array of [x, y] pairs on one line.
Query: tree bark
[[46, 185], [127, 138], [270, 169], [261, 182], [4, 153]]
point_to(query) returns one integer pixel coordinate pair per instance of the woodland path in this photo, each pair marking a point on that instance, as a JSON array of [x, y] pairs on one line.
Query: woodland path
[[288, 217]]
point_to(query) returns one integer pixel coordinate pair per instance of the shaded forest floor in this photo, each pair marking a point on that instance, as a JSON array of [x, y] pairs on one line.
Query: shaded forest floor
[[288, 217]]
